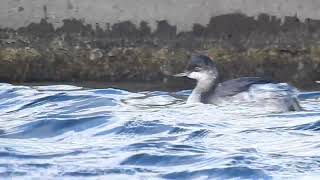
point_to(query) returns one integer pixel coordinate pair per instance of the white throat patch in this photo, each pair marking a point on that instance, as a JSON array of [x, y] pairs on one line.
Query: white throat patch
[[199, 75]]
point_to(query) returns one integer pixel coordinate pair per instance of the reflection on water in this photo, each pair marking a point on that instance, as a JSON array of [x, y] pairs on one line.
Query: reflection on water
[[64, 131]]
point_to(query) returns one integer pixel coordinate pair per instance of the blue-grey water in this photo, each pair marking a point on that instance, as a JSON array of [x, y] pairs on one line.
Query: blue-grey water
[[69, 132]]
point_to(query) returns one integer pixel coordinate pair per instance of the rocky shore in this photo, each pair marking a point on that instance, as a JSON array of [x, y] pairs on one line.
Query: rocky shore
[[241, 45]]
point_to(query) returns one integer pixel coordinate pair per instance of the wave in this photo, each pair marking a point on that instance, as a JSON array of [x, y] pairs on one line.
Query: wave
[[63, 131]]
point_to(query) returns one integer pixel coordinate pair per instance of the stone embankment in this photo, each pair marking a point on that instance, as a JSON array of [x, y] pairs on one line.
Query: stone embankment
[[285, 49]]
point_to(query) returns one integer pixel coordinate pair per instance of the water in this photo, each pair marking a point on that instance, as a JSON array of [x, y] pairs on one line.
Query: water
[[69, 132]]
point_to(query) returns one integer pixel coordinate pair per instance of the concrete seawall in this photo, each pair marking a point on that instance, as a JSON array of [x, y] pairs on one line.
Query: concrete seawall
[[145, 40]]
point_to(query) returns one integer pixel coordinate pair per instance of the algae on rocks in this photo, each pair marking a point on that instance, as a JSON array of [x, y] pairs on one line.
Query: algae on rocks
[[300, 67]]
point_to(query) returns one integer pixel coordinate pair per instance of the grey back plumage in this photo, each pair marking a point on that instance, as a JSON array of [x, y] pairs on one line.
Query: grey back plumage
[[235, 86], [231, 88]]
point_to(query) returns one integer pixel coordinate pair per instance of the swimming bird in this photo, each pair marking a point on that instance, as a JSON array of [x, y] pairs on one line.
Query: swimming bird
[[255, 91]]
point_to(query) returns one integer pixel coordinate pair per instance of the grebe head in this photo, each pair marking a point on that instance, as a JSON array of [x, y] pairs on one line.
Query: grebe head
[[201, 68]]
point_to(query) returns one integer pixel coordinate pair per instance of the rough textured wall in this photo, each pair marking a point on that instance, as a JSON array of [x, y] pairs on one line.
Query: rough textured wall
[[119, 40], [183, 14]]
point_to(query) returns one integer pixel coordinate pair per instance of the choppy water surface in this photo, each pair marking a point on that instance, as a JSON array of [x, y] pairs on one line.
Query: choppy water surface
[[68, 132]]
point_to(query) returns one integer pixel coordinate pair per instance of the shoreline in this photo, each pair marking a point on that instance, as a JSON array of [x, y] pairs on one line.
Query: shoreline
[[135, 86], [265, 46], [300, 67]]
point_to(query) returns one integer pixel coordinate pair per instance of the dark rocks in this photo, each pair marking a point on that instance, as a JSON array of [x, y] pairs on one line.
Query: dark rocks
[[86, 64], [300, 67]]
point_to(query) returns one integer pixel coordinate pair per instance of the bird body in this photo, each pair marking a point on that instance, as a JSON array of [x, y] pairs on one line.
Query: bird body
[[256, 91]]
